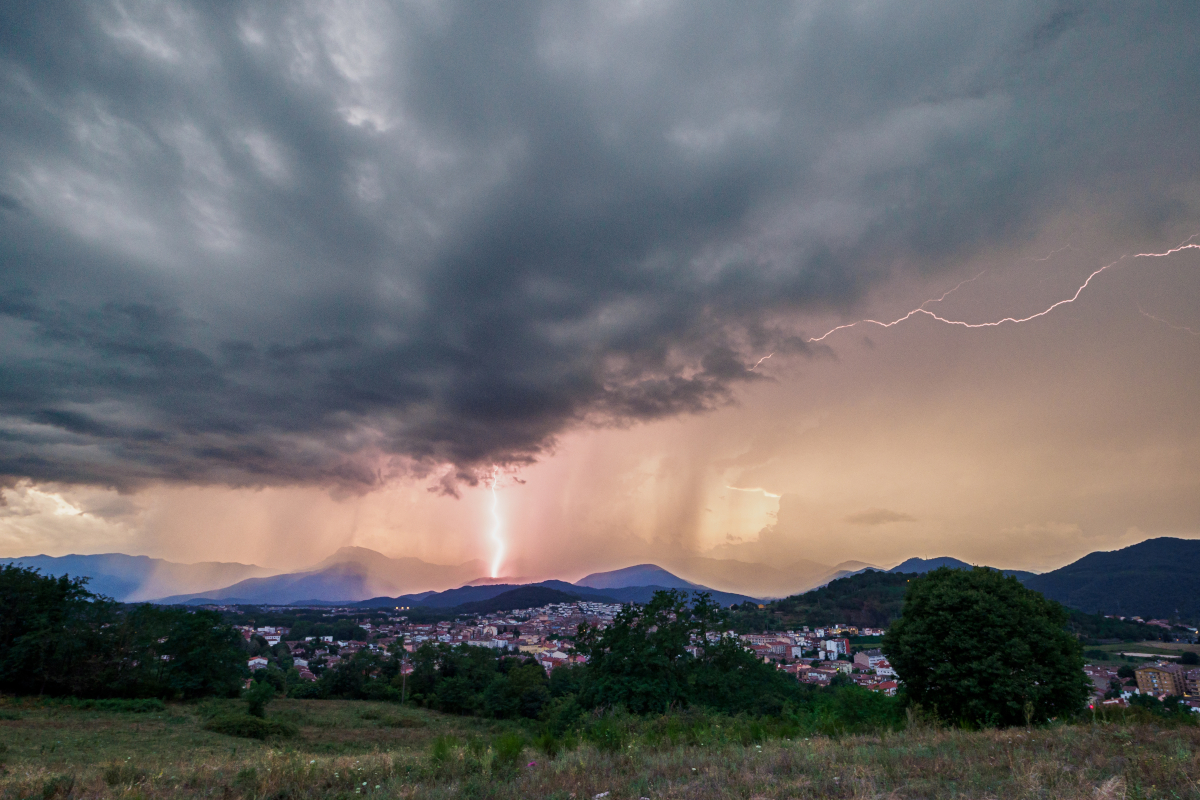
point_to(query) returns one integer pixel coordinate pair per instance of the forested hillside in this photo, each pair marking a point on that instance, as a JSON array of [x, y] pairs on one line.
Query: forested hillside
[[1157, 578], [868, 599], [873, 599]]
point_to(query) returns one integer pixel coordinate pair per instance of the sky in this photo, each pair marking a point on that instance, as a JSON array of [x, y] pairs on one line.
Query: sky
[[275, 280]]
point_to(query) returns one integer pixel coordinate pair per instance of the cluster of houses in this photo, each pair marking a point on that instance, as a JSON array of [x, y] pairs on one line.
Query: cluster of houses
[[1158, 679], [814, 656]]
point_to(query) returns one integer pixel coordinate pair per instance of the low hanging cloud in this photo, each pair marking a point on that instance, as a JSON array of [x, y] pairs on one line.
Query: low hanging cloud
[[332, 244], [878, 516]]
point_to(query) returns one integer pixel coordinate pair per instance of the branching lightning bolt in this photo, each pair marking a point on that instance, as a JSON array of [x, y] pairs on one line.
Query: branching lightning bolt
[[1173, 327], [1186, 245], [497, 528]]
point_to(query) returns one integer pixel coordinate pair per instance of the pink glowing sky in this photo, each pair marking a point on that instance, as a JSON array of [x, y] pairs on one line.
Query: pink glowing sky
[[570, 287]]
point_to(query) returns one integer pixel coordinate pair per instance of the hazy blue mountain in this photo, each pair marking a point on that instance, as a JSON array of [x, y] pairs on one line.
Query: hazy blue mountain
[[139, 578], [1158, 578], [640, 575], [350, 574], [920, 566]]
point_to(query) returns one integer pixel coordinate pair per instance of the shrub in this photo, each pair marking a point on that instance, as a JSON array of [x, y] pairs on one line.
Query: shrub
[[59, 786], [248, 727], [548, 743], [246, 780], [506, 753], [257, 696], [443, 749], [123, 774], [145, 705], [609, 732]]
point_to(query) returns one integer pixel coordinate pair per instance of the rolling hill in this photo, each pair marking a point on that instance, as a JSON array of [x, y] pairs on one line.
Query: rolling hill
[[350, 574], [640, 575], [920, 566], [1158, 578]]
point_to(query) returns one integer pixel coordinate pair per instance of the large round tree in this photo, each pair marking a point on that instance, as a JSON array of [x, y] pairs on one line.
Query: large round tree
[[978, 647]]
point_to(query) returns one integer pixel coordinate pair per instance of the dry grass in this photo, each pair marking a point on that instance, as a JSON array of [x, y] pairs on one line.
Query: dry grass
[[352, 749]]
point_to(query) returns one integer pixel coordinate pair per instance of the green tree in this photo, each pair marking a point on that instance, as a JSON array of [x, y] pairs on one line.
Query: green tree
[[978, 647], [182, 653], [257, 696], [643, 662], [56, 637]]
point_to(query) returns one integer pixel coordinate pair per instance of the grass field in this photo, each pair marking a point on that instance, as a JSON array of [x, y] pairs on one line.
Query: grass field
[[1153, 648], [347, 749]]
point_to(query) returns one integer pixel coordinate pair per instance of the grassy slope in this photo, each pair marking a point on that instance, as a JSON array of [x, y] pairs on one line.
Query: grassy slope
[[344, 745]]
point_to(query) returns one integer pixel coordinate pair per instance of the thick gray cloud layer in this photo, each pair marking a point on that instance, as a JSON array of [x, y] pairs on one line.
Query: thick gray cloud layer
[[326, 244]]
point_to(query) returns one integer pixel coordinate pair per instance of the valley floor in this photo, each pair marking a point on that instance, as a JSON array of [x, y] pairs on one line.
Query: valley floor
[[347, 749]]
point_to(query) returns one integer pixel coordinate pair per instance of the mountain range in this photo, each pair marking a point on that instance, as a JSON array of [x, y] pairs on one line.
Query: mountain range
[[351, 573], [920, 566], [1157, 578], [133, 579]]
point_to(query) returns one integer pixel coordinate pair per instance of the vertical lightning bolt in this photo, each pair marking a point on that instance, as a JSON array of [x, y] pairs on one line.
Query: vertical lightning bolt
[[921, 309], [497, 527]]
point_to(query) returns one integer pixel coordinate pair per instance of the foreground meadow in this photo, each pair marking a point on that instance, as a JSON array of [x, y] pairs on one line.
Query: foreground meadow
[[344, 749]]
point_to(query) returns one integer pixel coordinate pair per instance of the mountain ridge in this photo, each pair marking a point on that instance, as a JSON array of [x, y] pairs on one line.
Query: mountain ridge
[[1154, 578], [133, 579]]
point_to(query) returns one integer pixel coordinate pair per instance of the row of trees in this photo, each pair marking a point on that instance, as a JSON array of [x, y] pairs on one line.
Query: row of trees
[[57, 638], [644, 662], [971, 646]]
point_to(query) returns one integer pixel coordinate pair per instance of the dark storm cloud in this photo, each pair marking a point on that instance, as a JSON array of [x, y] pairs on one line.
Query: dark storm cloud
[[325, 245]]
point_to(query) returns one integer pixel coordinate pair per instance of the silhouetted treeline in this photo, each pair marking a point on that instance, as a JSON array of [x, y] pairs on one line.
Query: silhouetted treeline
[[57, 638]]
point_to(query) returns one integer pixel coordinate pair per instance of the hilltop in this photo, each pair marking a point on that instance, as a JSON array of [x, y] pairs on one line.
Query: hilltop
[[873, 599], [1155, 578]]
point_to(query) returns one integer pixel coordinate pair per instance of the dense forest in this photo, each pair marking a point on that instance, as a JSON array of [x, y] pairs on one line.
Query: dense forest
[[57, 638], [868, 599]]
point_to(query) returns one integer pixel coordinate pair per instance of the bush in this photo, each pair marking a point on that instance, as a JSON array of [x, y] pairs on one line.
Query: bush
[[506, 753], [246, 780], [548, 743], [59, 786], [443, 750], [248, 727], [257, 696], [141, 706], [123, 774]]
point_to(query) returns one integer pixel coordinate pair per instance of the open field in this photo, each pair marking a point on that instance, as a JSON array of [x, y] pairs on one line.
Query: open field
[[1153, 649], [346, 749]]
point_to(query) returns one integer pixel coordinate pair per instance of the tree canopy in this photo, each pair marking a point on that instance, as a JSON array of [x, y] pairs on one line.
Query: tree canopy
[[978, 647], [58, 638], [642, 661]]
